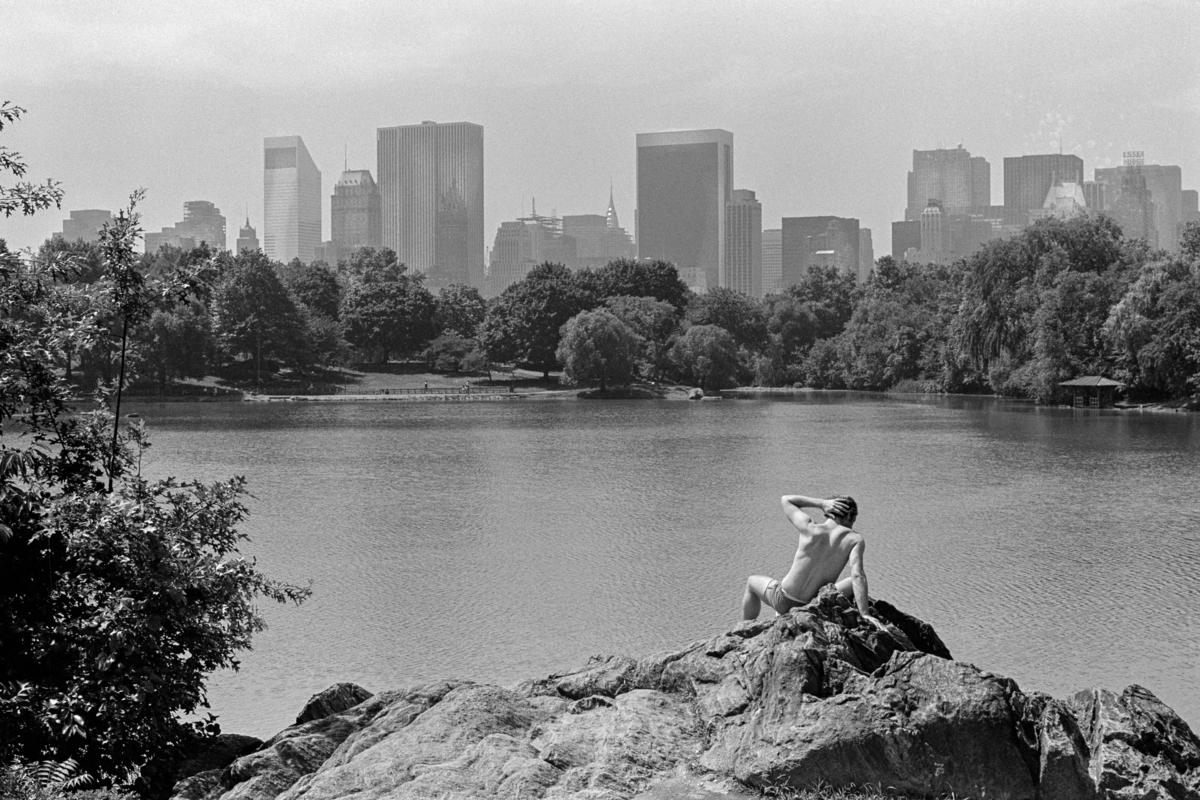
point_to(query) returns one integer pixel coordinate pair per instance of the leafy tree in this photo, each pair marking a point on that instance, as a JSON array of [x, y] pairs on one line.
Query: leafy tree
[[316, 287], [371, 265], [391, 313], [739, 314], [597, 347], [654, 321], [706, 355], [176, 343], [253, 313], [524, 324], [633, 278], [451, 353], [23, 196], [117, 602], [460, 310], [1155, 328]]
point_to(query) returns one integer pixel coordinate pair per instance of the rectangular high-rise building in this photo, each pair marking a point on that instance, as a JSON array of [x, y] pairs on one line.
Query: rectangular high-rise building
[[743, 243], [684, 183], [772, 261], [85, 224], [818, 241], [431, 199], [354, 219], [291, 200], [1165, 186], [959, 181], [1027, 179]]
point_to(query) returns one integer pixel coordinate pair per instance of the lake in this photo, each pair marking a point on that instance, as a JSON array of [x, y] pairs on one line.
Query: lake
[[508, 540]]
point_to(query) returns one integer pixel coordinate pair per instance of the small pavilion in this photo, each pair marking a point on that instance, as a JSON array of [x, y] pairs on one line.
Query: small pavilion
[[1092, 391]]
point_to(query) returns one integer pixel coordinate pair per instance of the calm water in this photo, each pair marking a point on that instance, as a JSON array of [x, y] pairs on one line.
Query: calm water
[[499, 541]]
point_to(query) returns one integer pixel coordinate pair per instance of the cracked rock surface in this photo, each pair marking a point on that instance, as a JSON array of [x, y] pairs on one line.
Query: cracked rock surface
[[812, 697]]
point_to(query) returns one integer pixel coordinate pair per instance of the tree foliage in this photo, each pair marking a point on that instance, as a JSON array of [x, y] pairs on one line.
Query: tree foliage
[[120, 599], [706, 356], [598, 348], [524, 324], [389, 313], [253, 313]]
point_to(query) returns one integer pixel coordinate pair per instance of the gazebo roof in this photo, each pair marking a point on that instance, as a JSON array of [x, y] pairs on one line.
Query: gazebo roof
[[1091, 380]]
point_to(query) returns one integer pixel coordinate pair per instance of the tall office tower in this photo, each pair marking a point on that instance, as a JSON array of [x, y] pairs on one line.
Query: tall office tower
[[684, 181], [866, 255], [818, 241], [906, 239], [935, 234], [354, 213], [1093, 195], [743, 243], [85, 224], [247, 238], [203, 223], [291, 200], [772, 261], [1165, 185], [431, 199], [521, 245], [1191, 207], [1028, 178], [1129, 201], [959, 181]]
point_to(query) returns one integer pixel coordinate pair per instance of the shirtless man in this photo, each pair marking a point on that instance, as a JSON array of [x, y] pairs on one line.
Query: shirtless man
[[822, 553]]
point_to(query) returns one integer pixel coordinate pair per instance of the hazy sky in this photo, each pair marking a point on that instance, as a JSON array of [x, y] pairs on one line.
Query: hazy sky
[[826, 100]]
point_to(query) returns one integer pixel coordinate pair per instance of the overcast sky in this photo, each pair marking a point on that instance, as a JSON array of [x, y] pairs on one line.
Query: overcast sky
[[826, 100]]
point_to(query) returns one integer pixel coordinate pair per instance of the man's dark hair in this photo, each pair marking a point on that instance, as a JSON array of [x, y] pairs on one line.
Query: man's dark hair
[[851, 506]]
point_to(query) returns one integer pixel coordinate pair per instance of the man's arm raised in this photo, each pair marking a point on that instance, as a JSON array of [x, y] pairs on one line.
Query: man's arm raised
[[858, 579], [793, 505]]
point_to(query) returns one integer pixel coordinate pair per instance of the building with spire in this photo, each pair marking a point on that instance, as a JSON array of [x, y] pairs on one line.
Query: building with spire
[[354, 214], [247, 238], [598, 238], [521, 245]]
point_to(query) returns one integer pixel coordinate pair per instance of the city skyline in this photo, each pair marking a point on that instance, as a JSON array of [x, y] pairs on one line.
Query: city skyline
[[826, 113]]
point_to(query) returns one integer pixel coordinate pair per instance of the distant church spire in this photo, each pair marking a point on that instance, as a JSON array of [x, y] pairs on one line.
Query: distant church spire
[[610, 216]]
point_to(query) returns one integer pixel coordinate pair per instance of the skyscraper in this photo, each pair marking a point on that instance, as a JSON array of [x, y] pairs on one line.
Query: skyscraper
[[743, 243], [1027, 179], [1165, 185], [291, 200], [684, 181], [959, 181], [818, 241], [772, 261], [85, 224], [431, 199], [247, 238], [202, 223], [866, 254], [354, 219]]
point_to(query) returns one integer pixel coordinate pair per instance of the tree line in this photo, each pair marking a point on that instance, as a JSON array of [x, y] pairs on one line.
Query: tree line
[[1061, 299]]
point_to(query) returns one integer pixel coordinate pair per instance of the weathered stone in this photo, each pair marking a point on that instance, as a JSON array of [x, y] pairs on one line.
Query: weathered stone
[[817, 695], [1139, 747], [336, 698], [924, 726]]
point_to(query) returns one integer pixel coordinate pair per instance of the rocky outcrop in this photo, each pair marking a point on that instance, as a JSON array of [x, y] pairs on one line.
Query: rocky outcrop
[[816, 696]]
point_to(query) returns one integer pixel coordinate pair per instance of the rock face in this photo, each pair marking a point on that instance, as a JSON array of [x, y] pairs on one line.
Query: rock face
[[812, 697]]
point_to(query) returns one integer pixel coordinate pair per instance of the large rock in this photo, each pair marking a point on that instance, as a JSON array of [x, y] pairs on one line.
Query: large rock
[[813, 697]]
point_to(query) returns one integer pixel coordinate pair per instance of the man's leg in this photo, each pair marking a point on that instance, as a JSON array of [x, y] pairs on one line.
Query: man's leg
[[756, 592]]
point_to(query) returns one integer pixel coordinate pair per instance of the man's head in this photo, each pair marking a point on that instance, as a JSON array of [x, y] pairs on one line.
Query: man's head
[[851, 513]]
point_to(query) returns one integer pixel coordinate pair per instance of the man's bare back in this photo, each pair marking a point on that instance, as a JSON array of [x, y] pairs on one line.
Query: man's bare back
[[822, 552]]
